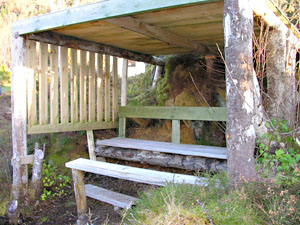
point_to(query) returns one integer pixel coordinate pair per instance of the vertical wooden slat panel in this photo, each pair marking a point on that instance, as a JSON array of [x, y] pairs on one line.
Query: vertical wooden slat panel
[[92, 87], [64, 87], [31, 83], [82, 86], [176, 131], [43, 84], [74, 86], [107, 88], [99, 87], [122, 121], [115, 89], [54, 116]]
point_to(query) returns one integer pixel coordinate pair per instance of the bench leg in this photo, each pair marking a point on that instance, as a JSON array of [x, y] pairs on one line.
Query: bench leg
[[78, 180]]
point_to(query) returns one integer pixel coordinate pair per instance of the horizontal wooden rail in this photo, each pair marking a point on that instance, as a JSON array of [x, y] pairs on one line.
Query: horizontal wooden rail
[[174, 113], [51, 128]]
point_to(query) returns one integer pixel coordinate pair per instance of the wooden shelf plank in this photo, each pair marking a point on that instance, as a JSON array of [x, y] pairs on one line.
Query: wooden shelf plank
[[166, 147], [110, 197], [133, 174]]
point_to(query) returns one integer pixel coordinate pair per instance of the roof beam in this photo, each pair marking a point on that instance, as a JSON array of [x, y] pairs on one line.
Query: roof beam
[[76, 43], [133, 24]]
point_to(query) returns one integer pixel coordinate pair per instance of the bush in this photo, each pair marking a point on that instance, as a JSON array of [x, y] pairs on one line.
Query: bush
[[4, 75]]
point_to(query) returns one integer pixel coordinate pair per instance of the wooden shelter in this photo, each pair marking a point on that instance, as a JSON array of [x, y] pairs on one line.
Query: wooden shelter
[[62, 77]]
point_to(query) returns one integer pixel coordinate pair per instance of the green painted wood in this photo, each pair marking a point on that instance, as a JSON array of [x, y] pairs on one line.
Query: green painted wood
[[122, 127], [174, 113], [97, 11], [53, 128], [176, 131]]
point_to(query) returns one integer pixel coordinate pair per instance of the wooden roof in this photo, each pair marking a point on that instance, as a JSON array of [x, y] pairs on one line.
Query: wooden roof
[[151, 27]]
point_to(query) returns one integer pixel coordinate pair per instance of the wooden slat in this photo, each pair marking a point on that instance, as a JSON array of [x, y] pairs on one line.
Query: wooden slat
[[134, 174], [91, 144], [52, 128], [74, 86], [31, 83], [115, 89], [107, 113], [176, 113], [64, 86], [82, 87], [92, 96], [43, 84], [100, 105], [110, 197], [176, 131], [122, 121], [54, 113], [27, 159], [166, 147]]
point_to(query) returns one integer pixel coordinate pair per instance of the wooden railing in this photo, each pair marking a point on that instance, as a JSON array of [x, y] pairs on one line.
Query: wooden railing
[[70, 90], [171, 113]]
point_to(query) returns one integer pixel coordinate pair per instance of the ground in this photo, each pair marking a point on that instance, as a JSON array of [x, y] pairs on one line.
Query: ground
[[58, 210]]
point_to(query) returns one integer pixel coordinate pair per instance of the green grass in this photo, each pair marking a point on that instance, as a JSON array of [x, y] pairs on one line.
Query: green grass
[[251, 203]]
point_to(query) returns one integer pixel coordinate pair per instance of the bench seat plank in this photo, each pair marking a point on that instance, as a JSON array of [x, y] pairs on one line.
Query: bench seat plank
[[110, 197], [132, 173], [166, 147]]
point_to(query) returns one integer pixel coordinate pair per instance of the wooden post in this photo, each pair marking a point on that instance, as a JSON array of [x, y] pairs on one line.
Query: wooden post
[[91, 144], [37, 168], [122, 121], [176, 131], [99, 87], [78, 181]]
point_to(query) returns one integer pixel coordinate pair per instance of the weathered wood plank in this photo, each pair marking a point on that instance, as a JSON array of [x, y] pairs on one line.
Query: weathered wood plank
[[51, 128], [176, 131], [78, 181], [107, 106], [91, 144], [100, 105], [115, 96], [37, 168], [90, 46], [92, 80], [82, 87], [27, 159], [158, 33], [54, 113], [43, 84], [64, 86], [185, 162], [110, 197], [31, 83], [122, 121], [174, 113], [166, 147], [134, 174], [74, 86], [97, 11]]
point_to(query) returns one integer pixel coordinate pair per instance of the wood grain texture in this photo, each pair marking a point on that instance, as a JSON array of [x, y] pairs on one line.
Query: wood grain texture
[[82, 87], [110, 197], [54, 113], [91, 144], [134, 174], [74, 86], [64, 86], [177, 113], [31, 83], [92, 81], [100, 80], [43, 84], [166, 147], [115, 96], [107, 90], [176, 131]]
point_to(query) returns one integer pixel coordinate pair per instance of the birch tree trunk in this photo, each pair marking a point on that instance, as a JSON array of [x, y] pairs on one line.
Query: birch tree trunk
[[240, 134]]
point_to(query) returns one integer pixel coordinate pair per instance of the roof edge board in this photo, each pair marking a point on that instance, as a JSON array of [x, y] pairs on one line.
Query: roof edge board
[[96, 11]]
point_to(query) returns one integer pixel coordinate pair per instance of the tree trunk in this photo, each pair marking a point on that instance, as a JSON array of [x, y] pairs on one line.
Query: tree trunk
[[240, 134], [157, 75], [281, 76]]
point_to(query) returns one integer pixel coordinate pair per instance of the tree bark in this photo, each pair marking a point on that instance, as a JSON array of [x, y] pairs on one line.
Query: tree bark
[[281, 64], [240, 133]]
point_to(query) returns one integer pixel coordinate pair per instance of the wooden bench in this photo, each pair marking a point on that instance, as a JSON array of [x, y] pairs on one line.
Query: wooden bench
[[79, 166]]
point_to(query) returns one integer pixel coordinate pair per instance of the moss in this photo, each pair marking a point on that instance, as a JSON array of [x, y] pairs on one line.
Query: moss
[[2, 208]]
